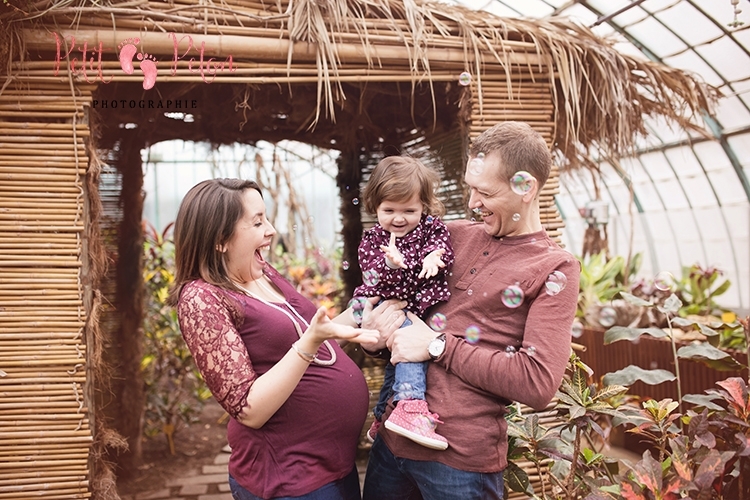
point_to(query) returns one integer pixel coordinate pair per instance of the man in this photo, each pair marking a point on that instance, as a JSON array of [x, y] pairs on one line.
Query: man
[[503, 336]]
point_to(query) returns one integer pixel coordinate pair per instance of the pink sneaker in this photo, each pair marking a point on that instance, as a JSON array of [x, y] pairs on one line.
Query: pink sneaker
[[412, 419], [372, 432]]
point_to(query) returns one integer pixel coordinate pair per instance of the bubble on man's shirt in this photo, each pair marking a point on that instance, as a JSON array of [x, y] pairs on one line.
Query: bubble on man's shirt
[[438, 322], [371, 277], [510, 351], [512, 296], [472, 334], [556, 282]]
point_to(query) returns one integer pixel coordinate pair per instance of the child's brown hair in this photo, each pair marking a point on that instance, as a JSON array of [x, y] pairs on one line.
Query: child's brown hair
[[397, 178]]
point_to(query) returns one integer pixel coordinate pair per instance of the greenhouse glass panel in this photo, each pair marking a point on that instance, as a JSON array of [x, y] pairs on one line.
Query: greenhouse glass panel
[[672, 194], [688, 23], [727, 58], [720, 11], [690, 61], [684, 162], [655, 37]]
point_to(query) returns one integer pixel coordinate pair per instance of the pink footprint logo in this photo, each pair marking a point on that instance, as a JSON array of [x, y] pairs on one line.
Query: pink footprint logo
[[148, 68], [126, 52]]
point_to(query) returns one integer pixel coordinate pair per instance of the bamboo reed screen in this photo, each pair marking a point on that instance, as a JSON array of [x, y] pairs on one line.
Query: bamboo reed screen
[[44, 424]]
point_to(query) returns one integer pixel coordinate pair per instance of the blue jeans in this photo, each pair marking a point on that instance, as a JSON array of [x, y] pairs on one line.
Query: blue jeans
[[343, 489], [402, 381], [392, 478]]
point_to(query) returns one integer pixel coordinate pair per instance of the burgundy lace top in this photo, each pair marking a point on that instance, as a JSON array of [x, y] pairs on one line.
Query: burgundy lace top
[[379, 279], [312, 439]]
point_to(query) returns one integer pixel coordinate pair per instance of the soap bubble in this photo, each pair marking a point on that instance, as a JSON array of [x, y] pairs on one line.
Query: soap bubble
[[476, 166], [357, 305], [664, 281], [556, 282], [429, 219], [469, 291], [516, 217], [345, 265], [438, 322], [521, 182], [607, 316], [464, 78], [355, 201], [512, 296], [531, 351], [472, 334], [576, 330], [510, 351], [371, 277]]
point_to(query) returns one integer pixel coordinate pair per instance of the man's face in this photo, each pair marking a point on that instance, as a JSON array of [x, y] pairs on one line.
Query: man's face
[[492, 196]]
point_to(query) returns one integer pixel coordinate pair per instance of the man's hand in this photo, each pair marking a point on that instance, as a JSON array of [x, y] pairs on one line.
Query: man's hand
[[393, 257], [432, 264], [410, 342]]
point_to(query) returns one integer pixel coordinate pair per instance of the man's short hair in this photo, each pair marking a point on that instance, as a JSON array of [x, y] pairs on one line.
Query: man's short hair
[[519, 146]]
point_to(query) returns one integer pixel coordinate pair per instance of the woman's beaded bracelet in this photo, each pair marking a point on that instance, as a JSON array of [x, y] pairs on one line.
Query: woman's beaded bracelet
[[306, 356]]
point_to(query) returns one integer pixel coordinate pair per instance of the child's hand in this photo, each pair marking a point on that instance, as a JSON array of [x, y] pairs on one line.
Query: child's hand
[[393, 257], [432, 264]]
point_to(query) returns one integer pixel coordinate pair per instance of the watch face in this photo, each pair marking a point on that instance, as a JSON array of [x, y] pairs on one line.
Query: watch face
[[436, 347]]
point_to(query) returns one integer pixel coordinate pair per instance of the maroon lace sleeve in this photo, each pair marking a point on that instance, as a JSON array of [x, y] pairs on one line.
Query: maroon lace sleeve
[[207, 321]]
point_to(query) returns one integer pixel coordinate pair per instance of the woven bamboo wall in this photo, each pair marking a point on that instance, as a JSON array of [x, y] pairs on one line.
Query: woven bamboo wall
[[44, 424]]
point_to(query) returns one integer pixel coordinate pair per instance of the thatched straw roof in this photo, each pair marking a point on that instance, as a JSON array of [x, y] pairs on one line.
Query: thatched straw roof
[[601, 96]]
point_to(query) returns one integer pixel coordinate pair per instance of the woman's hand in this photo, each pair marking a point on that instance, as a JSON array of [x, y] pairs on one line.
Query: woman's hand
[[385, 318], [410, 343], [323, 328]]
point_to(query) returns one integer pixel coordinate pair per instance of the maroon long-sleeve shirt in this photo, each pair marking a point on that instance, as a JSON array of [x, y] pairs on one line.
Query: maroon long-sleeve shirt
[[521, 351]]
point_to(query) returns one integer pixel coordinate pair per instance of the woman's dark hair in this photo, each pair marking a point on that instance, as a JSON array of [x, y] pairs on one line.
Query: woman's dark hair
[[205, 221]]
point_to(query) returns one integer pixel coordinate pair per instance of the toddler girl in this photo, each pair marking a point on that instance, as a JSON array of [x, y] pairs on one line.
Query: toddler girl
[[405, 256]]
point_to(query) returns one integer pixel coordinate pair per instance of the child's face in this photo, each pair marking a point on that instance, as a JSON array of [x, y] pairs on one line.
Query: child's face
[[400, 217]]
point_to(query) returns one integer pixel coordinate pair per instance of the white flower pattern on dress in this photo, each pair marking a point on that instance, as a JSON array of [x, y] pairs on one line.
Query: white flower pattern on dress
[[430, 234]]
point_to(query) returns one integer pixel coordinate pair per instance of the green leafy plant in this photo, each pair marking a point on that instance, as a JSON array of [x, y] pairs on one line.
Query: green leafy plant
[[175, 391], [707, 457], [569, 448], [701, 351], [697, 290], [601, 279]]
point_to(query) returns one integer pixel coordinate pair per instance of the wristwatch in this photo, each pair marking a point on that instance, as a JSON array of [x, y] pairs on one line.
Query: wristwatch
[[436, 347]]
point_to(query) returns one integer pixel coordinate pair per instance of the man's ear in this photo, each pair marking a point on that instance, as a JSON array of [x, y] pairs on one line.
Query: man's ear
[[529, 196]]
